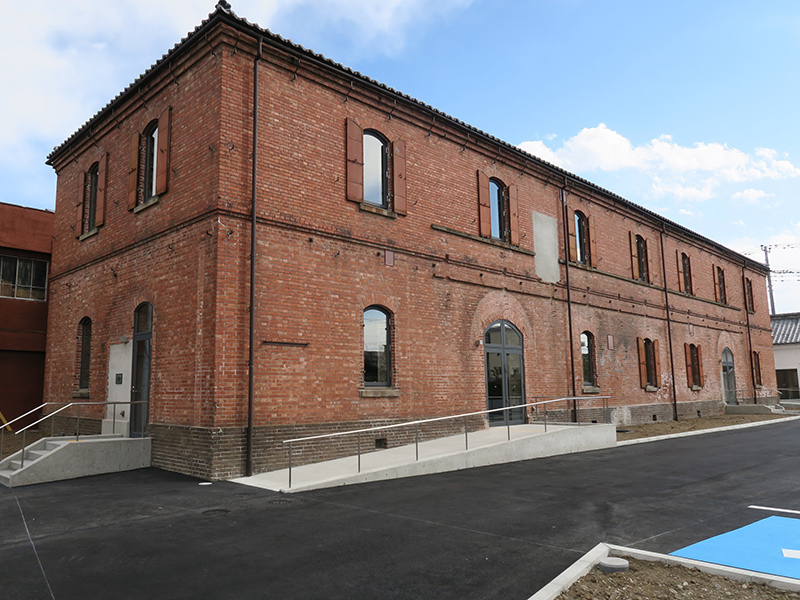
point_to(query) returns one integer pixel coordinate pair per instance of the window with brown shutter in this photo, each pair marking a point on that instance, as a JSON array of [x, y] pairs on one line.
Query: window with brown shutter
[[90, 209], [149, 161], [694, 365], [640, 263], [649, 363]]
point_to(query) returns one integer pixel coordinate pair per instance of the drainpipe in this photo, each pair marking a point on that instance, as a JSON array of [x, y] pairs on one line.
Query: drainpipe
[[251, 359], [669, 325], [569, 299], [749, 338]]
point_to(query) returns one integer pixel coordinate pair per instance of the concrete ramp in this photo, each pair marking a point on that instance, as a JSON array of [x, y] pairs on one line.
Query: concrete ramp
[[486, 447], [58, 458]]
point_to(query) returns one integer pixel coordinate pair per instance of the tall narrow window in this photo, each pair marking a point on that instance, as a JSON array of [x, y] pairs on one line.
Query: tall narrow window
[[588, 359], [583, 247], [90, 198], [684, 273], [694, 365], [640, 264], [748, 295], [85, 352], [649, 370], [720, 292], [497, 195], [150, 161], [757, 368], [377, 347], [498, 217], [376, 176]]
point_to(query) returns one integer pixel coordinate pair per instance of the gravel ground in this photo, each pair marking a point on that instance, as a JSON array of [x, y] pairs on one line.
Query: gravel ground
[[653, 580], [630, 432]]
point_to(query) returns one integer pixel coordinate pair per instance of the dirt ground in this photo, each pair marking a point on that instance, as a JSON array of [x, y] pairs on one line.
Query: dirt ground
[[651, 580], [630, 432]]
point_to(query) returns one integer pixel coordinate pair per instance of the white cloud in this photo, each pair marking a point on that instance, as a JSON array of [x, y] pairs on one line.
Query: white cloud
[[690, 173], [750, 195]]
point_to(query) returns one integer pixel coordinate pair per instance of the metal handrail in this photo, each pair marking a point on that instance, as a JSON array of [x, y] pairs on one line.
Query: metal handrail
[[24, 430], [465, 416]]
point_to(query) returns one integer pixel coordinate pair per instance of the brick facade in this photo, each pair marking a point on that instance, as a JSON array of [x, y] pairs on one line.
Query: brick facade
[[322, 258]]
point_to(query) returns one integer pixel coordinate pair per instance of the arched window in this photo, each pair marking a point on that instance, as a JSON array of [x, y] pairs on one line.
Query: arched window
[[497, 194], [694, 365], [582, 245], [588, 359], [85, 352], [649, 368], [376, 176], [150, 160], [377, 347], [642, 259], [90, 198], [685, 274]]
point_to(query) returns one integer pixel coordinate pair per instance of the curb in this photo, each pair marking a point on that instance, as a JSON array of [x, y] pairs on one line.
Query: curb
[[588, 561], [704, 431]]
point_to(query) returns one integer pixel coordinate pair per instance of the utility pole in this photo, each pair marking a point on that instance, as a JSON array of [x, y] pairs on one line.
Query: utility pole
[[769, 281]]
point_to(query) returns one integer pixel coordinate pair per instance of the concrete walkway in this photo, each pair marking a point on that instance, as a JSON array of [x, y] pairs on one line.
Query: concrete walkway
[[485, 447]]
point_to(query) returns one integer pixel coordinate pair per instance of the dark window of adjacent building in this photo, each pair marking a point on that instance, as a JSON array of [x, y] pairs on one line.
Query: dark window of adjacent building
[[640, 263], [649, 367], [23, 278], [148, 167], [85, 352], [788, 384], [694, 365], [757, 368], [685, 273], [720, 292], [376, 169], [377, 347], [588, 359], [497, 210], [748, 295]]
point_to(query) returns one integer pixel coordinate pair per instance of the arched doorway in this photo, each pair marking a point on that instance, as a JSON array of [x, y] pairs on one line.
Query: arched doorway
[[140, 386], [728, 377], [504, 373]]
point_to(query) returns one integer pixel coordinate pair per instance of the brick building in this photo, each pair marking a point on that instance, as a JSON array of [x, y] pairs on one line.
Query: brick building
[[26, 240], [405, 265]]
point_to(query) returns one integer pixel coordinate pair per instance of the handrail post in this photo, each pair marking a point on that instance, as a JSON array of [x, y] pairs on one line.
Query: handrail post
[[545, 418], [508, 425], [416, 442], [24, 433], [359, 452], [577, 414], [2, 439], [466, 434], [114, 419], [290, 465], [52, 425], [78, 432]]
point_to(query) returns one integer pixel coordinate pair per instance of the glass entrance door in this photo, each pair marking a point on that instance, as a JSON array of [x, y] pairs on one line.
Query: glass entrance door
[[728, 377], [504, 373], [140, 385]]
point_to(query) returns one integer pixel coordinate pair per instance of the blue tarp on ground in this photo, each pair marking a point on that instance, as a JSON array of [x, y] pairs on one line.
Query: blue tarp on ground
[[771, 546]]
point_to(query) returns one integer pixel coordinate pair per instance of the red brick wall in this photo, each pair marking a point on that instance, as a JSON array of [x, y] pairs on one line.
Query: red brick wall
[[321, 260]]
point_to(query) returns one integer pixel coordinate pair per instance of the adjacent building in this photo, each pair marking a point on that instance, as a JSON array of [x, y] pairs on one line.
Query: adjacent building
[[254, 243], [26, 240], [786, 346]]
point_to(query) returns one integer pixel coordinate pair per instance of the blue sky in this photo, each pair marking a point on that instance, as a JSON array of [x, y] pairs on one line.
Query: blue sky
[[687, 108]]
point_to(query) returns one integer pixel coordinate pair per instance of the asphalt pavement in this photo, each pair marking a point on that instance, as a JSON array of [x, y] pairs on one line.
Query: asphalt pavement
[[493, 532]]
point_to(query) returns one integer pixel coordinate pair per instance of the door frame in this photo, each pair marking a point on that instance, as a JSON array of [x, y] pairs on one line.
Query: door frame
[[140, 413], [510, 417]]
